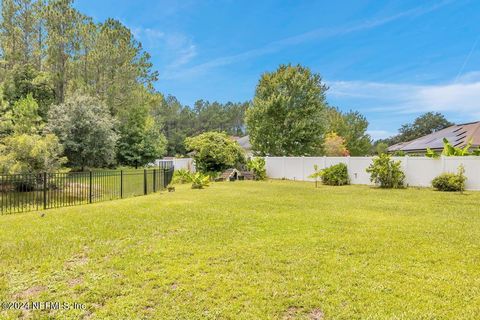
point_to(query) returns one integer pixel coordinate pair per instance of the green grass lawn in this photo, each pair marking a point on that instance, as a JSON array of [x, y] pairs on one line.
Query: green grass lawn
[[250, 250]]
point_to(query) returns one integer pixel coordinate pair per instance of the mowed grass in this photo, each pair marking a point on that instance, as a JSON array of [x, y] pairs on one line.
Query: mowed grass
[[250, 250]]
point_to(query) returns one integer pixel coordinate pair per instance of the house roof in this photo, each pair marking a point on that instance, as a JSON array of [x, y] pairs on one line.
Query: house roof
[[244, 142], [458, 135]]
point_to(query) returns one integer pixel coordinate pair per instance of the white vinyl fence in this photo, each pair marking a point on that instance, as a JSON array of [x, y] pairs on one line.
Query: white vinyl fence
[[180, 163], [419, 171]]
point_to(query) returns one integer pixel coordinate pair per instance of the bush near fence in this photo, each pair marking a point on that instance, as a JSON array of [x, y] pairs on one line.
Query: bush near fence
[[419, 171]]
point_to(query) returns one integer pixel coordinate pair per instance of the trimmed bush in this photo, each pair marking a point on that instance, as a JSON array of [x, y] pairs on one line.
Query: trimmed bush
[[451, 181], [386, 173], [336, 175], [215, 152]]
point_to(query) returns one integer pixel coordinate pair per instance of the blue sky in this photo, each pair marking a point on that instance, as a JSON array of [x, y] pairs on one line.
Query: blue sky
[[391, 60]]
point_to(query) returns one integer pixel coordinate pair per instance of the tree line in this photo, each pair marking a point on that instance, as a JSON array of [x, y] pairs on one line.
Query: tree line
[[80, 93], [84, 91]]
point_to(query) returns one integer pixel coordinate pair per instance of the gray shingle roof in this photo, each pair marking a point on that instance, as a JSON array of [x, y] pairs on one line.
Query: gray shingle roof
[[458, 135]]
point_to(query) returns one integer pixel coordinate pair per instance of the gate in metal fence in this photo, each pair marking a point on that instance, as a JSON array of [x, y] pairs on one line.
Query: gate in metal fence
[[29, 192]]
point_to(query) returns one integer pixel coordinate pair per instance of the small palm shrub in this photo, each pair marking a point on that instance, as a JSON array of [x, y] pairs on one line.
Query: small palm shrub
[[181, 176], [199, 180], [336, 175], [451, 181], [386, 173], [257, 166]]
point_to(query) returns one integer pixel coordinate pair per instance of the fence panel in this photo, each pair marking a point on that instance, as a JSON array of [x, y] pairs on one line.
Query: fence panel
[[20, 192], [472, 169], [178, 163], [29, 192], [419, 171]]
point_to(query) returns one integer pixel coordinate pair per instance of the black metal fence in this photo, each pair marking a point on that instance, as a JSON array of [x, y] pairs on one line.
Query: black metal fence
[[29, 192]]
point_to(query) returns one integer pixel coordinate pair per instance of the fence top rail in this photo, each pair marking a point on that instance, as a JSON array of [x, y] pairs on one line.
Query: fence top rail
[[126, 171]]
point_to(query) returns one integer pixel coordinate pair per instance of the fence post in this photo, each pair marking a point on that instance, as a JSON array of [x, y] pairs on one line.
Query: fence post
[[144, 181], [303, 168], [90, 189], [154, 180], [45, 190], [121, 184], [164, 174]]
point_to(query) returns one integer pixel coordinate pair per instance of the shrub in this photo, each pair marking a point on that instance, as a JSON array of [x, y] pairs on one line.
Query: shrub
[[336, 175], [386, 172], [199, 180], [181, 176], [451, 181], [257, 166], [29, 155], [215, 151], [26, 154]]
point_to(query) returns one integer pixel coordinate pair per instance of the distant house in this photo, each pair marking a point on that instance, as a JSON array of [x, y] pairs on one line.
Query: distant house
[[244, 142], [458, 135]]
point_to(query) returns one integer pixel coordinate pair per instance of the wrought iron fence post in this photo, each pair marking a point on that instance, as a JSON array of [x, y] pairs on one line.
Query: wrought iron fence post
[[154, 180], [90, 189], [121, 183], [164, 178], [44, 190], [144, 181]]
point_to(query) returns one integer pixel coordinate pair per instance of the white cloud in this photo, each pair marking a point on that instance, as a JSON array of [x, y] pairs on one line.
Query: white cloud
[[174, 48], [461, 98]]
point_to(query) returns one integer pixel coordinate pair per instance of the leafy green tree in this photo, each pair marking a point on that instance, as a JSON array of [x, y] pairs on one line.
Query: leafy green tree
[[62, 23], [215, 152], [11, 33], [352, 126], [86, 130], [24, 80], [423, 125], [115, 66], [25, 118], [287, 117], [381, 148], [24, 153], [6, 124], [178, 122], [141, 141]]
